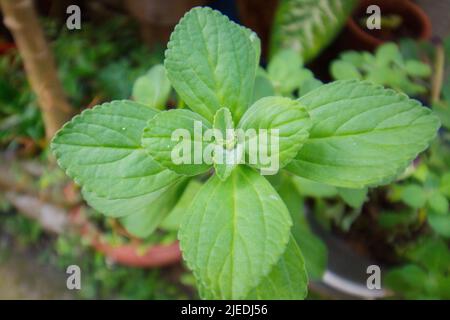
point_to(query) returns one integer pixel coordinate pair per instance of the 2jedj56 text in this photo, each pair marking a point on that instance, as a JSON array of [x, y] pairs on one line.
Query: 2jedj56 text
[[227, 310]]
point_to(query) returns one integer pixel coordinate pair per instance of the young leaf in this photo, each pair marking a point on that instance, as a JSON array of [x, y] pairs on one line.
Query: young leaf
[[287, 280], [362, 134], [343, 70], [287, 116], [212, 62], [101, 150], [227, 159], [174, 139], [263, 86], [153, 88], [284, 71], [234, 232], [355, 198]]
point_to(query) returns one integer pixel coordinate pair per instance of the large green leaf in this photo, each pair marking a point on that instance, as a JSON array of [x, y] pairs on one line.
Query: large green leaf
[[212, 62], [234, 232], [287, 280], [287, 116], [153, 88], [174, 139], [308, 26], [362, 134], [101, 150], [143, 223]]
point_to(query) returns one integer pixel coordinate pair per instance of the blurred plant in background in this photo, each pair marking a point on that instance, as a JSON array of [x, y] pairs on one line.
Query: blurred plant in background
[[386, 67], [94, 65]]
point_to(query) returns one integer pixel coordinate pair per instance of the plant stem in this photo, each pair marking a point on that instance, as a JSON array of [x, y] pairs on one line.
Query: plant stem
[[21, 19], [439, 62]]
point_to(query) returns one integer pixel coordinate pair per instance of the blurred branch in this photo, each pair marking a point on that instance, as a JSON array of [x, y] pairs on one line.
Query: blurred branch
[[21, 19], [51, 218], [439, 64]]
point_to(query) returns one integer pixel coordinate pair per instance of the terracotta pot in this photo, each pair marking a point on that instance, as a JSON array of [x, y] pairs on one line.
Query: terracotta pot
[[258, 16], [158, 18], [414, 19], [127, 254]]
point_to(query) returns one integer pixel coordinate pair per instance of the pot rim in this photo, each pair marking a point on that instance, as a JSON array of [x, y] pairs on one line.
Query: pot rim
[[408, 8], [158, 255]]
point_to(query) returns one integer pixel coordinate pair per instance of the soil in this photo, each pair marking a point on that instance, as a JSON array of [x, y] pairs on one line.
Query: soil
[[24, 276]]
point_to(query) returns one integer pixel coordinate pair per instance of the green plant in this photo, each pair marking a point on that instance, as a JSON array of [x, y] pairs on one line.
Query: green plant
[[308, 26], [386, 67], [427, 276], [236, 233], [119, 56], [285, 76]]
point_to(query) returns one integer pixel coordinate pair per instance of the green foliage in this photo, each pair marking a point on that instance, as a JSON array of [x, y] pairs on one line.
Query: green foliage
[[285, 76], [94, 64], [153, 88], [236, 234], [427, 275], [386, 67], [366, 142], [426, 191], [308, 26]]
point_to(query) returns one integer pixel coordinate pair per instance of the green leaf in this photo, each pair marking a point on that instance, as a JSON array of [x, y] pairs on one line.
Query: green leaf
[[431, 253], [153, 88], [387, 53], [343, 70], [438, 202], [409, 279], [263, 86], [414, 196], [226, 155], [284, 71], [312, 247], [287, 280], [123, 206], [101, 150], [311, 188], [174, 139], [362, 134], [440, 223], [141, 224], [212, 62], [309, 85], [287, 116], [417, 69], [234, 232], [355, 198], [172, 221], [308, 26], [445, 184], [442, 110]]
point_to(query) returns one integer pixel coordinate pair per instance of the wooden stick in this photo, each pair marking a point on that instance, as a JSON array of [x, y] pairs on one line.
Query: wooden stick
[[21, 19]]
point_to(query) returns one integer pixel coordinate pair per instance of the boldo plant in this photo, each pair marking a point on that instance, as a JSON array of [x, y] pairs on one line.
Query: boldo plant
[[235, 234]]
